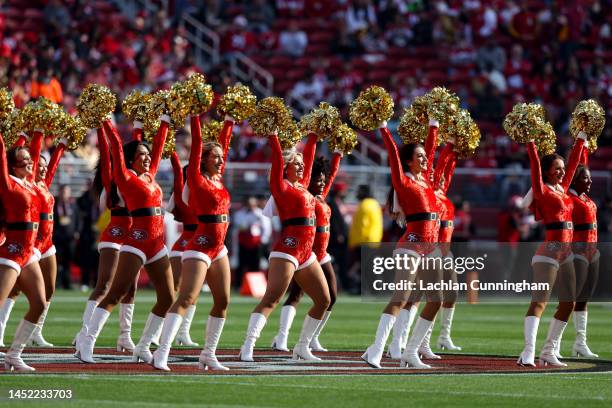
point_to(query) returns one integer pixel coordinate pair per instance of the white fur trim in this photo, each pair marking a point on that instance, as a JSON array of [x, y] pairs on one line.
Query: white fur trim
[[11, 264], [528, 199], [133, 250], [309, 261], [383, 124], [282, 255], [434, 123], [185, 193], [162, 252], [326, 259], [33, 258], [544, 259], [270, 210], [222, 253], [176, 254], [137, 124], [102, 202], [436, 253], [569, 258], [581, 258], [196, 255], [596, 256], [449, 255], [171, 204], [37, 252], [108, 245], [165, 118], [582, 135], [399, 251], [49, 252]]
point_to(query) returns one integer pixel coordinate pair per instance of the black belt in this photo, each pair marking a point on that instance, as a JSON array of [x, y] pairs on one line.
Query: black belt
[[562, 225], [190, 227], [303, 221], [324, 228], [446, 224], [147, 212], [120, 212], [424, 216], [585, 227], [46, 216], [213, 219], [22, 226]]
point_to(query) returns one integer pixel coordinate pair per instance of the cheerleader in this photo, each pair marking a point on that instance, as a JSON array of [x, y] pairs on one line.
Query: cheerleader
[[205, 255], [292, 256], [18, 262], [110, 243], [415, 201], [182, 213], [321, 180], [586, 254], [550, 182], [134, 171]]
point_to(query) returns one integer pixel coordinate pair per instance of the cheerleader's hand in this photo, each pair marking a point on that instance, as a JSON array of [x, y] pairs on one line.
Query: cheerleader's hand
[[582, 135]]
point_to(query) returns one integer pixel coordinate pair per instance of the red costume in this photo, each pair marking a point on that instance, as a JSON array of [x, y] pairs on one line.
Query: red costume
[[296, 207], [446, 166], [143, 198], [417, 199], [182, 212], [555, 207], [120, 223], [21, 215], [208, 199], [584, 217], [323, 214]]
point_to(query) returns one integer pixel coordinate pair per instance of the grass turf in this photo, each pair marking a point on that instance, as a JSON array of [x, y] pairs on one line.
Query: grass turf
[[482, 328]]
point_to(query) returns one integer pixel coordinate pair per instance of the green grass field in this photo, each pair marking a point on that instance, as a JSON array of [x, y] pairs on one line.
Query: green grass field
[[482, 328]]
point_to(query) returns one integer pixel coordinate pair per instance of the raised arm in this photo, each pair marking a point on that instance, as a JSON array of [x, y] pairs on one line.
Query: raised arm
[[430, 148], [4, 172], [137, 131], [585, 156], [120, 170], [158, 144], [397, 175], [54, 162], [177, 170], [106, 171], [35, 148], [449, 171], [195, 155], [536, 172], [225, 137], [277, 184], [333, 171], [309, 155], [572, 163], [441, 163]]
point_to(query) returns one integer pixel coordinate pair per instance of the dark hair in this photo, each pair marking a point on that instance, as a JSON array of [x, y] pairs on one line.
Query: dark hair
[[11, 157], [406, 154], [546, 163], [129, 151], [363, 192], [320, 167], [578, 174], [112, 199]]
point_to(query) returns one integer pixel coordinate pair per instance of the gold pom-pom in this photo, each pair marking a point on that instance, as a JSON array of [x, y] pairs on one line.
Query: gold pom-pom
[[198, 94], [411, 128], [135, 105], [322, 120], [179, 104], [8, 129], [74, 131], [94, 105], [271, 115], [41, 115], [237, 102], [170, 144], [466, 133], [7, 104], [442, 105], [546, 143], [526, 122], [289, 135], [211, 130], [588, 117], [372, 107], [344, 139]]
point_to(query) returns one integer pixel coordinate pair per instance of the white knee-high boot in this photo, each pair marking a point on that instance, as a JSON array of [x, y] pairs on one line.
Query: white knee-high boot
[[373, 354], [172, 324], [89, 309], [315, 345], [256, 325], [286, 320], [85, 344], [580, 348], [425, 347], [395, 347], [208, 359], [530, 330], [183, 338], [410, 357], [555, 332], [301, 351], [444, 339], [12, 359], [37, 339], [126, 315], [152, 329], [5, 312]]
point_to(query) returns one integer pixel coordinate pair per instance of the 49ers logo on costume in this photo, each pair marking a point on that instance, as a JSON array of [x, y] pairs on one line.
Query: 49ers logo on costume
[[553, 246], [14, 248], [412, 237], [202, 240], [139, 235], [290, 242], [116, 231], [183, 243]]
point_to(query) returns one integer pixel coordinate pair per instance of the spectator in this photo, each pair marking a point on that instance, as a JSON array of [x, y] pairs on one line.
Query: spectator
[[237, 38], [46, 85], [360, 16], [64, 233], [260, 15], [491, 55], [89, 212], [293, 41], [338, 233], [307, 92]]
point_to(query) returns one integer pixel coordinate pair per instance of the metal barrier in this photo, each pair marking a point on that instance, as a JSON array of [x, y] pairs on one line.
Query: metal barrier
[[205, 41]]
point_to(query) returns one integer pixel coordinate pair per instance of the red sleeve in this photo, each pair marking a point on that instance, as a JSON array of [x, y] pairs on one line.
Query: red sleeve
[[277, 183], [441, 164], [585, 157], [333, 171], [137, 134], [309, 155], [158, 147], [4, 172], [178, 185], [35, 148], [106, 171], [397, 175], [120, 171], [225, 137], [449, 171], [21, 141], [430, 150], [536, 172], [572, 164], [195, 155], [53, 163]]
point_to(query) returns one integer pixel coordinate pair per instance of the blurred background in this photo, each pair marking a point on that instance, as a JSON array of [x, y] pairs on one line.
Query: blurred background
[[493, 54]]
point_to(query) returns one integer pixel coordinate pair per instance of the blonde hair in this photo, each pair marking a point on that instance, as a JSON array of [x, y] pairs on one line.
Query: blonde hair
[[208, 146], [290, 156]]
